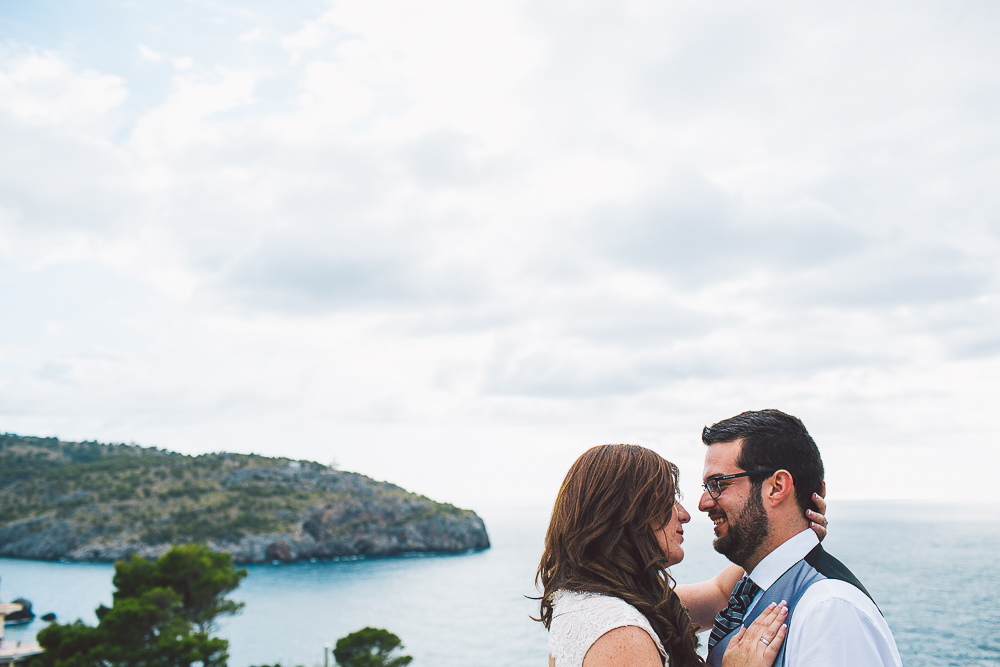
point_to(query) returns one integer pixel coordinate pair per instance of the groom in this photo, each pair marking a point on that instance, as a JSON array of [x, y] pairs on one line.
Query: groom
[[761, 469]]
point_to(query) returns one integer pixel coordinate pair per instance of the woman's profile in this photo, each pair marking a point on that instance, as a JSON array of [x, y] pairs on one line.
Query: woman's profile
[[608, 599]]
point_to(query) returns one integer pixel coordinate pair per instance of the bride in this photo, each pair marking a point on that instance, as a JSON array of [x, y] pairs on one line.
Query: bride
[[608, 599]]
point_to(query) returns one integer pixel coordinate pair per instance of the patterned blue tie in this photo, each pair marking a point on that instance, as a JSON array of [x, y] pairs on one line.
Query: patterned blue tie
[[731, 617]]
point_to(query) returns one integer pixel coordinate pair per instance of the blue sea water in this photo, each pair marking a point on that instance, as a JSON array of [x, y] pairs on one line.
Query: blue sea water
[[933, 569]]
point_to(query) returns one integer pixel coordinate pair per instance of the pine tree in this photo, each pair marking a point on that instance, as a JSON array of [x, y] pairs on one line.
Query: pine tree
[[161, 615], [370, 647]]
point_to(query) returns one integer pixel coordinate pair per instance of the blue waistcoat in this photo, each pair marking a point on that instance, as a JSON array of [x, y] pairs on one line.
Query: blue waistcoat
[[791, 586]]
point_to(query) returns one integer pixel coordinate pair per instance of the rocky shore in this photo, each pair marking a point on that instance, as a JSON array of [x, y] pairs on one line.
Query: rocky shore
[[91, 502], [50, 538]]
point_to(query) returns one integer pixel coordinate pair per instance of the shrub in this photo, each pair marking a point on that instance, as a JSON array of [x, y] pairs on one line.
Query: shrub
[[162, 614], [370, 647]]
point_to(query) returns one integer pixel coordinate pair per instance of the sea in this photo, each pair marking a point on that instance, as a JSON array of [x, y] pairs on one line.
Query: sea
[[933, 569]]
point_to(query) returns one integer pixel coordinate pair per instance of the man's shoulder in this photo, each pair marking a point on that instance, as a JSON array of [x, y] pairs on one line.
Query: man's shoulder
[[838, 593], [832, 590], [829, 611], [832, 569]]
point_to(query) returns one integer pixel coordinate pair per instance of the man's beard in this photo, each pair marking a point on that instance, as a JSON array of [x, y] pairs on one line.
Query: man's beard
[[747, 534]]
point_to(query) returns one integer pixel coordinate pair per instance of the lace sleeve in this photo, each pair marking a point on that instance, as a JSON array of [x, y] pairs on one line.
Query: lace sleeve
[[580, 619]]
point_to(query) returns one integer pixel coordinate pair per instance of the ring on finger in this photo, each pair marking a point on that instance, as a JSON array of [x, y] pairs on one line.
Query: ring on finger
[[764, 641]]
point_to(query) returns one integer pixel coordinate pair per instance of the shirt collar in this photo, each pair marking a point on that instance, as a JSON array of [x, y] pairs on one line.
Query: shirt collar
[[786, 555]]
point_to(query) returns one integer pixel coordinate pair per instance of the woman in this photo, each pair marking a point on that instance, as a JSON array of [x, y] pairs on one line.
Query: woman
[[608, 598]]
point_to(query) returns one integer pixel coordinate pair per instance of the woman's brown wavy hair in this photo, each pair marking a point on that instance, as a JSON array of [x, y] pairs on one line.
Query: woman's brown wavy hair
[[601, 539]]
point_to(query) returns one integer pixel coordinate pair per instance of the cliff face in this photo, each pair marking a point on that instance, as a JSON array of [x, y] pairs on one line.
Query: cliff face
[[92, 502]]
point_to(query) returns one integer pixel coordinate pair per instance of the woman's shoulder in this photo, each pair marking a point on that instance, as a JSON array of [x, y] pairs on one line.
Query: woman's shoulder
[[580, 618], [566, 602]]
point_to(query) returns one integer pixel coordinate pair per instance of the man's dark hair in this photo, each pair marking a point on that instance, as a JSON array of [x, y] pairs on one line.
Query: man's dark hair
[[772, 439]]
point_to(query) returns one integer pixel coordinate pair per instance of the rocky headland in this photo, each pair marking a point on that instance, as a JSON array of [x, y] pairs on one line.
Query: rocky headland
[[94, 502]]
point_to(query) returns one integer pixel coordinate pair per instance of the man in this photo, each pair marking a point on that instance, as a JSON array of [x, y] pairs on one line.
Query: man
[[761, 469]]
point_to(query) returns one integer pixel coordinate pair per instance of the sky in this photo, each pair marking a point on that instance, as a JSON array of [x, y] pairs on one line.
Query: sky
[[453, 245]]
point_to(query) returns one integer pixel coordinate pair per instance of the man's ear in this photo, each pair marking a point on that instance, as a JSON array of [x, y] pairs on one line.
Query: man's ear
[[779, 488]]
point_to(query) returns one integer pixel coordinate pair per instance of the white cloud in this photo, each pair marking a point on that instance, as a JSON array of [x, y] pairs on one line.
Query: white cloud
[[312, 35], [254, 35], [39, 88], [149, 54], [181, 122], [503, 232]]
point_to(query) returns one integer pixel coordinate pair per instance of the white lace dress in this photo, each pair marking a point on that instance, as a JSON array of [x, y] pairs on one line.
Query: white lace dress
[[580, 619]]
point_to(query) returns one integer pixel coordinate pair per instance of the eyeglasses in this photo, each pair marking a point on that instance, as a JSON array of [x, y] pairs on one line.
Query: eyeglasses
[[715, 489]]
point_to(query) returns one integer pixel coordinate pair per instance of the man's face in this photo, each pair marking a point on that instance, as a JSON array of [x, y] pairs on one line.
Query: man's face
[[741, 523]]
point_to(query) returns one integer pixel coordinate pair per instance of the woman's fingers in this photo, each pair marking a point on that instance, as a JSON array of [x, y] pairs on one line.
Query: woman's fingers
[[757, 645], [774, 645], [817, 519], [767, 625], [777, 619], [820, 503]]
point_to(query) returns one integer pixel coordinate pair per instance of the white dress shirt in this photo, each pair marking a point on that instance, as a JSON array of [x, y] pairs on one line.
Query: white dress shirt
[[834, 623]]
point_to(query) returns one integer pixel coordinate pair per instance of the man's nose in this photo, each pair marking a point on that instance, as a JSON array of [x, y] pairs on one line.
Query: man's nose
[[706, 502]]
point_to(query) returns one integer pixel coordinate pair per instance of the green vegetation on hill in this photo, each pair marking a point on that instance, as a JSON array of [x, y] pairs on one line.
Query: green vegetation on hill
[[147, 496], [162, 496]]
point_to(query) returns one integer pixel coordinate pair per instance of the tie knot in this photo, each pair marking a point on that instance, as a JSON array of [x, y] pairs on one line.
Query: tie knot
[[732, 616], [746, 587], [744, 594]]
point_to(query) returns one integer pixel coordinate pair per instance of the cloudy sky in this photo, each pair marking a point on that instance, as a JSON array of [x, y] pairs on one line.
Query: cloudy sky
[[453, 244]]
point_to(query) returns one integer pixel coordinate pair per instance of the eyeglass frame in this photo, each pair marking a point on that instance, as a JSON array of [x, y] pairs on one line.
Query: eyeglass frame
[[714, 481]]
